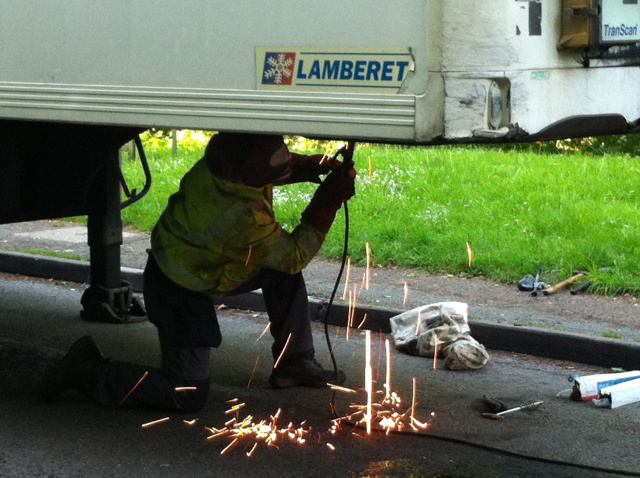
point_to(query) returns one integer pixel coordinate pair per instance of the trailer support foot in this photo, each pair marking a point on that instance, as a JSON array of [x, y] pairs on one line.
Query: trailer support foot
[[108, 299]]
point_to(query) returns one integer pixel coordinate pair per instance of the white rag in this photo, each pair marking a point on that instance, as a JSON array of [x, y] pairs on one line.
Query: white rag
[[444, 324]]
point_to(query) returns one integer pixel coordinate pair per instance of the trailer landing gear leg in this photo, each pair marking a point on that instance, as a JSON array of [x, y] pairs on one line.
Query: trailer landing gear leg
[[108, 299]]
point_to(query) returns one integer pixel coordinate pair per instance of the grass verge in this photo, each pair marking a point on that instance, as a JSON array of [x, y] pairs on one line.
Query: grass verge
[[419, 207]]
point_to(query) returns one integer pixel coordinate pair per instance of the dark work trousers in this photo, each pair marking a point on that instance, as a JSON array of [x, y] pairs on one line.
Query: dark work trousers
[[188, 328]]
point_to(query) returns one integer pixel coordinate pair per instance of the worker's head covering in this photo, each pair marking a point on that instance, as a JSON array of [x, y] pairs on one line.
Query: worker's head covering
[[246, 158]]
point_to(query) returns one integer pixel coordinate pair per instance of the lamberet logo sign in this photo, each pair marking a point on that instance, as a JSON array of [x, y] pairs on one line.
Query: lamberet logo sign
[[333, 69]]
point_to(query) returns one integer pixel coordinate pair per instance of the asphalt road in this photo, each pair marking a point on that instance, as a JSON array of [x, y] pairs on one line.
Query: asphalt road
[[72, 437]]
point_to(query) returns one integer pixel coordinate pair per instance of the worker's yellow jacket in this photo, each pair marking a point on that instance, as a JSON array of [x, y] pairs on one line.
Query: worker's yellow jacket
[[215, 235]]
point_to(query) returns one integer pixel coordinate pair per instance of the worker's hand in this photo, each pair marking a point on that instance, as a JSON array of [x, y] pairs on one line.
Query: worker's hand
[[338, 187], [340, 184], [309, 168]]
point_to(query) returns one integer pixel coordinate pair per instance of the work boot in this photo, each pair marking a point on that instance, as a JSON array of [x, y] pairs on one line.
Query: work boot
[[66, 374], [304, 373]]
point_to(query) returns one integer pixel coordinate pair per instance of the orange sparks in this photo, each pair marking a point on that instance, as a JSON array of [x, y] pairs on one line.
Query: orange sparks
[[418, 325], [331, 447], [406, 294], [190, 422], [155, 422], [368, 380], [234, 408], [370, 169], [363, 321], [327, 154], [346, 282], [349, 314], [134, 387], [435, 353], [387, 384], [254, 371], [250, 453], [230, 446], [413, 401], [246, 263], [353, 299], [185, 389], [275, 365], [470, 254], [368, 270], [264, 332], [341, 389]]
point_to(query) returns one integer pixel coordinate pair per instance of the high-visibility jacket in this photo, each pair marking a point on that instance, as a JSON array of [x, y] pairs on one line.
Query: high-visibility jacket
[[215, 235]]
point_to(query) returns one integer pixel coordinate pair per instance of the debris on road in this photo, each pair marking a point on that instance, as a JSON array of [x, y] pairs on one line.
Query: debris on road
[[439, 329], [528, 405]]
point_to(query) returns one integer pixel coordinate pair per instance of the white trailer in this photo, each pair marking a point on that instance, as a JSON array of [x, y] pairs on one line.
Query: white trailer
[[410, 71], [78, 79]]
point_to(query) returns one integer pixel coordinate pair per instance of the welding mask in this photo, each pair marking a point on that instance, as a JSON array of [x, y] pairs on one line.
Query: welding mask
[[251, 159]]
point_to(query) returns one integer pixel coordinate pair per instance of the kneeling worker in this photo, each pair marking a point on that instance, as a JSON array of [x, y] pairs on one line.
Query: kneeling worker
[[218, 237]]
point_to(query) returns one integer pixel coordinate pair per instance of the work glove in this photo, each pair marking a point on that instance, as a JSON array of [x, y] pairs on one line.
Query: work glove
[[338, 187], [308, 169]]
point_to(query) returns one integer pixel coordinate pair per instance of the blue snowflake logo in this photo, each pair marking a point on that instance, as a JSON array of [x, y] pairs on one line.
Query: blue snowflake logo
[[278, 68]]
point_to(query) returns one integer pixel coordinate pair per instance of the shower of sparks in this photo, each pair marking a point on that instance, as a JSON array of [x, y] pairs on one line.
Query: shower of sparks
[[254, 371], [368, 270], [246, 263], [155, 422], [284, 349], [134, 387], [363, 321], [470, 254], [406, 294], [346, 281], [385, 414], [266, 432], [264, 332]]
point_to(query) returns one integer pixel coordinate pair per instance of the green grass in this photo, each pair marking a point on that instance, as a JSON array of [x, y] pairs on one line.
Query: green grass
[[40, 252], [518, 210], [612, 335]]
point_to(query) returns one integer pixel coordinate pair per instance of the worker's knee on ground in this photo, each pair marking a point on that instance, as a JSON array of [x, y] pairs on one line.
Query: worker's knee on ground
[[192, 396]]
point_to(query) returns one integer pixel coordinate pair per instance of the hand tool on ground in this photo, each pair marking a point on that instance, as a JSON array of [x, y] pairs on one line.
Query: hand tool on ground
[[561, 285], [581, 287], [528, 405], [538, 285]]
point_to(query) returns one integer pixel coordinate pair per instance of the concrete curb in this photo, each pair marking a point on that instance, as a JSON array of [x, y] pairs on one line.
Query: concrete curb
[[538, 342]]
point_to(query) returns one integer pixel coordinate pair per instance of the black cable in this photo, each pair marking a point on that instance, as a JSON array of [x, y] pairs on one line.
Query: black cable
[[514, 454], [345, 250]]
